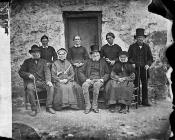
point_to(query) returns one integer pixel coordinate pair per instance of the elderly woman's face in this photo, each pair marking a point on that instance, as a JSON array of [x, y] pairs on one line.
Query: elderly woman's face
[[110, 39], [123, 58], [62, 55]]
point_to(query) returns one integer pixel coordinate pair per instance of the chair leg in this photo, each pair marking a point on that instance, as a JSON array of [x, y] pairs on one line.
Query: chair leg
[[26, 101], [128, 108]]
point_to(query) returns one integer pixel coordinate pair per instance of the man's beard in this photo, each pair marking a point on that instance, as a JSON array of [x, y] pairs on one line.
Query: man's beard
[[95, 59]]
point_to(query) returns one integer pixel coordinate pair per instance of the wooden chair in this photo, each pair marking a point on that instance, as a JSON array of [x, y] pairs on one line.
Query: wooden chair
[[135, 98], [40, 97]]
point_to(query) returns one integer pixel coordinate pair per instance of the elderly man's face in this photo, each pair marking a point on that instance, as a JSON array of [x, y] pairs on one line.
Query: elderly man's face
[[110, 39], [77, 40], [36, 55], [44, 42], [62, 55], [123, 58], [95, 56], [140, 39]]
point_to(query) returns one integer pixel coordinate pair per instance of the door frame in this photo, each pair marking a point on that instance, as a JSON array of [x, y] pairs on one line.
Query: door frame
[[82, 14]]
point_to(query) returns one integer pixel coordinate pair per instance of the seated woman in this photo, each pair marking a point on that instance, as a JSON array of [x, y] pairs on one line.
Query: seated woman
[[66, 90], [120, 88]]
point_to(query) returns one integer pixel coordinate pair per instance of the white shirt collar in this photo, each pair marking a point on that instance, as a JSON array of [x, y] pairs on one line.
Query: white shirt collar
[[77, 45], [110, 44], [45, 46]]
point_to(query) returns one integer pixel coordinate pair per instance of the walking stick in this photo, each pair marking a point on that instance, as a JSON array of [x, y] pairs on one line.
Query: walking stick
[[34, 82], [138, 96]]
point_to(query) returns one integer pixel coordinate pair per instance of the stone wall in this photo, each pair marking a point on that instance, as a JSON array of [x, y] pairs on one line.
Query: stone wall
[[32, 19]]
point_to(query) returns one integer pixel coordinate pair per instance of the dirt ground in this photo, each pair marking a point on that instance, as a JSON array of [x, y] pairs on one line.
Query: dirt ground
[[148, 123]]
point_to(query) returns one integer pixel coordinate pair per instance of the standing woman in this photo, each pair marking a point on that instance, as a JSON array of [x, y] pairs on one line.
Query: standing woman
[[47, 52], [110, 51], [77, 55]]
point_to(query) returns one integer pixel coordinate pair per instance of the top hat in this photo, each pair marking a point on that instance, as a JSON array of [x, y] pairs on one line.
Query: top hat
[[139, 32], [34, 48], [94, 48]]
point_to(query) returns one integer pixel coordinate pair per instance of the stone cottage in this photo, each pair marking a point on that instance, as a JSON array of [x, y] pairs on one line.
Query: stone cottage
[[91, 19]]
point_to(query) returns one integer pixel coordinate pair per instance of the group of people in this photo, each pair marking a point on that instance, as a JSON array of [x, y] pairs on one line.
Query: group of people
[[70, 76]]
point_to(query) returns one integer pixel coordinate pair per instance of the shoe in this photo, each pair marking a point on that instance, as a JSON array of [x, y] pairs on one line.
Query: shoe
[[33, 113], [112, 108], [123, 109], [50, 110], [147, 104], [86, 111], [96, 110], [75, 108]]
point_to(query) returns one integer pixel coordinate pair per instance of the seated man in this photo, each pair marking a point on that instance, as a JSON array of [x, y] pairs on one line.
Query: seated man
[[64, 85], [93, 73], [35, 70], [120, 87]]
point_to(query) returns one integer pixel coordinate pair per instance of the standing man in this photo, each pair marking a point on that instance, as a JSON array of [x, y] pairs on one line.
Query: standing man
[[94, 73], [110, 51], [77, 55], [47, 52], [35, 71], [141, 57]]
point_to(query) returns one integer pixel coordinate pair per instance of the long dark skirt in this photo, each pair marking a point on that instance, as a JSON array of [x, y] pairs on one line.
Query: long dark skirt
[[67, 95], [119, 92]]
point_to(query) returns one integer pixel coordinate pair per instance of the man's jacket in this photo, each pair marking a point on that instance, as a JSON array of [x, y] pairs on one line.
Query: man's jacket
[[134, 56], [85, 71], [40, 70]]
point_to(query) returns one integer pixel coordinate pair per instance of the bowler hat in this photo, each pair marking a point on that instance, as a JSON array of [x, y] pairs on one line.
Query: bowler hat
[[94, 48], [34, 48], [139, 32]]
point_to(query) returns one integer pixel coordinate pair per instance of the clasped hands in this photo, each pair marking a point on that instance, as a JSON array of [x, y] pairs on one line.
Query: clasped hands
[[78, 64], [94, 80], [64, 81]]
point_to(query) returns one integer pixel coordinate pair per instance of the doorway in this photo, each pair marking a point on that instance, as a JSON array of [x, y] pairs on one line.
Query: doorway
[[85, 24]]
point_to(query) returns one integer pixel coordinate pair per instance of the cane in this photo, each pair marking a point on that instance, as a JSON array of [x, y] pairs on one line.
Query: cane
[[34, 82], [138, 96]]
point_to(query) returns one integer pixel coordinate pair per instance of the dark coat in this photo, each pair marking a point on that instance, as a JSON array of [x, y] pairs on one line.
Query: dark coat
[[134, 51], [48, 54], [84, 72], [127, 71], [40, 70]]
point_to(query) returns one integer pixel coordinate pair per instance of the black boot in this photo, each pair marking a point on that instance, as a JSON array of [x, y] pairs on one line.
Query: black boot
[[112, 108]]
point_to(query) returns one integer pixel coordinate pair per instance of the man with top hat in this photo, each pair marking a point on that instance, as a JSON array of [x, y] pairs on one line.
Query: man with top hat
[[35, 72], [110, 51], [94, 73], [141, 57], [120, 88], [47, 52], [64, 85]]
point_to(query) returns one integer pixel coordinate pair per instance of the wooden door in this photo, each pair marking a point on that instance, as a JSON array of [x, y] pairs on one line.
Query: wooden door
[[87, 27]]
